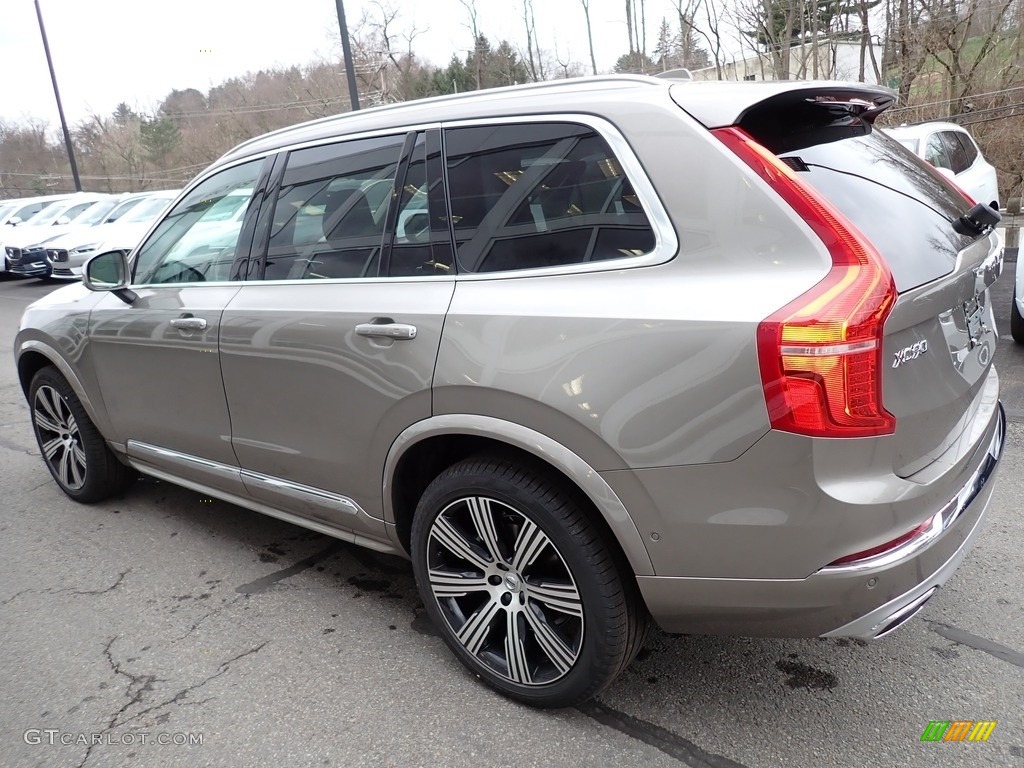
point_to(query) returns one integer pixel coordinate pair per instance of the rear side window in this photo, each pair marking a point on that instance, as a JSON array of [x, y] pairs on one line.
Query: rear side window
[[936, 153], [957, 154], [904, 207], [330, 214], [970, 148], [533, 195]]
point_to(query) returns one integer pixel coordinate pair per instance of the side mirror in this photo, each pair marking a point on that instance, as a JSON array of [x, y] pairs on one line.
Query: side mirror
[[62, 220], [946, 172], [108, 271], [14, 221]]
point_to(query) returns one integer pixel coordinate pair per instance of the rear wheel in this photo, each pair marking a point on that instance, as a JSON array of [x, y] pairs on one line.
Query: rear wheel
[[521, 585], [72, 448], [1016, 321]]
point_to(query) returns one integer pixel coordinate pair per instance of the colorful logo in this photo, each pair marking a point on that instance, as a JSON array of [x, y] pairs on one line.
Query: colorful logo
[[958, 730]]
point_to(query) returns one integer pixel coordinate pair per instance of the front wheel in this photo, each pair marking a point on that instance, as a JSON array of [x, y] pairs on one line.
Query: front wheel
[[521, 585], [73, 449], [1016, 321]]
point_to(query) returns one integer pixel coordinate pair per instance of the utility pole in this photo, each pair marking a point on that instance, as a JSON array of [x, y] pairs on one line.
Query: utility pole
[[346, 49], [60, 108]]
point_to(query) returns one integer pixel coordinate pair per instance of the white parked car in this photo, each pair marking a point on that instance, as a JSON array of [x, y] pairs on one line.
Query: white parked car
[[50, 222], [1017, 307], [20, 210], [951, 149], [66, 254]]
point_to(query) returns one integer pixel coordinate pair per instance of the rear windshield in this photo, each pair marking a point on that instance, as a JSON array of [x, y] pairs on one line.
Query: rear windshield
[[903, 206]]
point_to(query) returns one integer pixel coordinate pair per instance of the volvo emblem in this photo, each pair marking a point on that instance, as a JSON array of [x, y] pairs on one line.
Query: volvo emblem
[[512, 582]]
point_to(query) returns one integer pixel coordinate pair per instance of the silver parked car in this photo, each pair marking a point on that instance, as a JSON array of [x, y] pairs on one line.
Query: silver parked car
[[587, 352]]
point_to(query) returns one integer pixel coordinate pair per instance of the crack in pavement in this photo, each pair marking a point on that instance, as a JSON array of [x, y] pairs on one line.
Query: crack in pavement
[[205, 616], [112, 587], [960, 637], [71, 590], [266, 582], [138, 685], [15, 596], [671, 744]]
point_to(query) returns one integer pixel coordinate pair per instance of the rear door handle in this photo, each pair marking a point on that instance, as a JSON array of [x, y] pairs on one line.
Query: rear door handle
[[189, 323], [378, 330]]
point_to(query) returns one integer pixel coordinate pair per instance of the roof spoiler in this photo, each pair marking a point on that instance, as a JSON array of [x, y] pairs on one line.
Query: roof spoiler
[[787, 116], [719, 104]]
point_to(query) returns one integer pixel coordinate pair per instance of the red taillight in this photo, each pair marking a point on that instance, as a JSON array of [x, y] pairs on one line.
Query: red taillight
[[821, 354]]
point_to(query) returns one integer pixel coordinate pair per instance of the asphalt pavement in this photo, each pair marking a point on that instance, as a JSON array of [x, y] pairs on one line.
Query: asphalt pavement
[[166, 629]]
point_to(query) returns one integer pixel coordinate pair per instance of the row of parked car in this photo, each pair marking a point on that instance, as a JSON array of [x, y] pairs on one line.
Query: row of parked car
[[52, 236]]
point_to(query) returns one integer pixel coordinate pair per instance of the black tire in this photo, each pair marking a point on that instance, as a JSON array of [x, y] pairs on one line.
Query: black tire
[[510, 615], [1016, 321], [71, 446]]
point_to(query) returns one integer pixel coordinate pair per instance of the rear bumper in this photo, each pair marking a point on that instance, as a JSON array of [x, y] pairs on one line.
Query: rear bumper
[[866, 599]]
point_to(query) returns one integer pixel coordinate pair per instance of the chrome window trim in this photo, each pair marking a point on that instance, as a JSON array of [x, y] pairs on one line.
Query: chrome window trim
[[666, 243], [376, 133]]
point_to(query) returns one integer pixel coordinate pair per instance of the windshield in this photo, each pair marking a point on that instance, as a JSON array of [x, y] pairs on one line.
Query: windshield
[[48, 214], [147, 210], [96, 212], [5, 211]]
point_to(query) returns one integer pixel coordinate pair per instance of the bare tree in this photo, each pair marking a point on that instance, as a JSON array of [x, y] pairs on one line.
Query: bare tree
[[474, 27], [534, 58], [867, 47]]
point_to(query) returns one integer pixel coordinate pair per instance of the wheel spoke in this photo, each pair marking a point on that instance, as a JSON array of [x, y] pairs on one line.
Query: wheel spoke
[[449, 537], [561, 596], [50, 447], [43, 396], [79, 455], [553, 646], [76, 473], [529, 544], [515, 650], [44, 422], [452, 584], [64, 468], [474, 632], [483, 521], [72, 424]]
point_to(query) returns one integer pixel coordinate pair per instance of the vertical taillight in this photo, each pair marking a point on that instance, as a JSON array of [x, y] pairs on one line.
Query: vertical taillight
[[821, 354]]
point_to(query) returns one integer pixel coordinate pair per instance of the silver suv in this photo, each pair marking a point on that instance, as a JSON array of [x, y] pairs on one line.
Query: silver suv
[[588, 353]]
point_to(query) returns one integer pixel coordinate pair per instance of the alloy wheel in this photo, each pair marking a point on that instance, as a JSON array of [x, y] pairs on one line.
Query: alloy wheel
[[505, 590], [59, 437]]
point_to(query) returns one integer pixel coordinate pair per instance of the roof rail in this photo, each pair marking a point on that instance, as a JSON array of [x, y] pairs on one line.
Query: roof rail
[[484, 93]]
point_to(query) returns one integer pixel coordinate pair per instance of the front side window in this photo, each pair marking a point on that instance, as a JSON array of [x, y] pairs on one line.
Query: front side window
[[538, 195], [331, 212], [197, 239]]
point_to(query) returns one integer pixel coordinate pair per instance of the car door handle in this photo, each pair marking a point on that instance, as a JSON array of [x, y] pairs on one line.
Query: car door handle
[[378, 330], [189, 323]]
